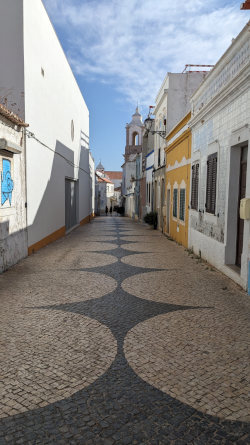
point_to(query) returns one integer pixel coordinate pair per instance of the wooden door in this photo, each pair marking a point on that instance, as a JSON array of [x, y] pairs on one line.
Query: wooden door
[[242, 194]]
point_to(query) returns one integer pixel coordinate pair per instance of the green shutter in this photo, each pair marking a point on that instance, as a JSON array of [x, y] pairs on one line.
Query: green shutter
[[182, 204], [175, 198], [211, 183]]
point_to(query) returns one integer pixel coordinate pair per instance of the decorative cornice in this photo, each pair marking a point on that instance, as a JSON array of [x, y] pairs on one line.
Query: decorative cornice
[[176, 129], [177, 141], [224, 72], [177, 164], [159, 104]]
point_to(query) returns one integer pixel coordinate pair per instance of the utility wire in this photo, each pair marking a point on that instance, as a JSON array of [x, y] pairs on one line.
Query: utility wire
[[32, 135]]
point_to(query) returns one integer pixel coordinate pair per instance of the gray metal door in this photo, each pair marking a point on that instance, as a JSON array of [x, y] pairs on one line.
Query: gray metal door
[[70, 203]]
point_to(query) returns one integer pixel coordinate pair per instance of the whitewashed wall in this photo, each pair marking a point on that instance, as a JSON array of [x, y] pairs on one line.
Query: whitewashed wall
[[11, 56], [52, 102], [13, 234], [149, 178], [221, 118]]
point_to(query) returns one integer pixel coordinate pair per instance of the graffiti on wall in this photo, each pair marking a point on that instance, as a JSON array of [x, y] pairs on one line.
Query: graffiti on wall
[[7, 183]]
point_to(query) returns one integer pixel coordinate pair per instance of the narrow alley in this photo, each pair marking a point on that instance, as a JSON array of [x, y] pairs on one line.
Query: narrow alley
[[115, 334]]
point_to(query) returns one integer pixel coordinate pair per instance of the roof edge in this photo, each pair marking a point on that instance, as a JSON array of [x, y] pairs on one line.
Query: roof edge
[[14, 118]]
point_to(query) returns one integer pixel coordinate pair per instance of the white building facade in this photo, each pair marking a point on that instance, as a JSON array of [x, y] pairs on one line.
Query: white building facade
[[171, 104], [221, 163], [133, 148], [104, 191], [37, 81], [13, 224], [149, 181]]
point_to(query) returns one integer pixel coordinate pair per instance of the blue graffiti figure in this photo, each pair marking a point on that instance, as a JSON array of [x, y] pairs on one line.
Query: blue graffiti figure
[[7, 184]]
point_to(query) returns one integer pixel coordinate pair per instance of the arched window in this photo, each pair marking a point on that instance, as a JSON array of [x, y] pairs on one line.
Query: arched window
[[135, 138]]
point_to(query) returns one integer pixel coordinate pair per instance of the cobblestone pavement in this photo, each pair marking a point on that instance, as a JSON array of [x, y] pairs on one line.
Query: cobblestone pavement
[[117, 335]]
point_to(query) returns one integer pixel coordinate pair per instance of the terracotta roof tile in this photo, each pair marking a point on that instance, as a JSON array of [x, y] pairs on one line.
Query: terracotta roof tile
[[12, 116], [114, 174], [100, 179]]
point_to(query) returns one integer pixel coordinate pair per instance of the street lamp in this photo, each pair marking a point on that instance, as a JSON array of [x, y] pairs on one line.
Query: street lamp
[[148, 123]]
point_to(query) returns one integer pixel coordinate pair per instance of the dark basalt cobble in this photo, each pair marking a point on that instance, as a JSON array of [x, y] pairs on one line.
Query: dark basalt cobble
[[120, 407]]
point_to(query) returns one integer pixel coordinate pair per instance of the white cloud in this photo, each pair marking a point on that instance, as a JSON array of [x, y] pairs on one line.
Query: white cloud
[[133, 43]]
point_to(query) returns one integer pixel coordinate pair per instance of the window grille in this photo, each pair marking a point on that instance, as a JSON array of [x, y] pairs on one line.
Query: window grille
[[182, 204], [175, 199], [195, 187], [211, 183]]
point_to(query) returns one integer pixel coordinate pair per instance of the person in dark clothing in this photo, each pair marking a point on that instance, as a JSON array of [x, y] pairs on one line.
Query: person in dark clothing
[[106, 210], [110, 209]]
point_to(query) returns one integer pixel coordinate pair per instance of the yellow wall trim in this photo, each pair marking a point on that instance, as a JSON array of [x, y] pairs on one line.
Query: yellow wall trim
[[181, 138], [47, 240], [85, 220], [54, 236], [179, 126]]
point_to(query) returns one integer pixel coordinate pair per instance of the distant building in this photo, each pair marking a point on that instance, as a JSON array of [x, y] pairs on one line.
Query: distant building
[[131, 168], [220, 162], [37, 82], [171, 105], [100, 168], [104, 194], [118, 196], [13, 221], [146, 183], [115, 177], [108, 189]]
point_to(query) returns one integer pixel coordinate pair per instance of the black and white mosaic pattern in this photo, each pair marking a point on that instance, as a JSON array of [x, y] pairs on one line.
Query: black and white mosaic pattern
[[119, 407]]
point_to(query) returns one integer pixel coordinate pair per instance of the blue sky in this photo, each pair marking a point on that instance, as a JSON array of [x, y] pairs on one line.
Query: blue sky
[[120, 52]]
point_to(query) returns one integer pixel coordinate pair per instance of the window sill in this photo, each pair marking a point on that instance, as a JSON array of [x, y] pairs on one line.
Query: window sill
[[210, 218]]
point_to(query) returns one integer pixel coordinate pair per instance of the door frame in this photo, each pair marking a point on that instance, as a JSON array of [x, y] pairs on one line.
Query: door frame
[[240, 223]]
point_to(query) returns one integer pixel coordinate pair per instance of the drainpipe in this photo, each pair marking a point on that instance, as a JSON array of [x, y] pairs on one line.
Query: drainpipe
[[248, 287], [25, 188]]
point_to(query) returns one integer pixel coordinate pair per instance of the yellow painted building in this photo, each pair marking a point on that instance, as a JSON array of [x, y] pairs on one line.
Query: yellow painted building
[[178, 153]]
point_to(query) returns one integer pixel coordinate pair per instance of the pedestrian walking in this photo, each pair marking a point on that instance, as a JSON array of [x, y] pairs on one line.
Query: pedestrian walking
[[106, 210], [110, 209]]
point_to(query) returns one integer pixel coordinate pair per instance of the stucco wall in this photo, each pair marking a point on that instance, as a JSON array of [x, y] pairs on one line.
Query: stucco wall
[[178, 176], [204, 226], [11, 56], [149, 178], [181, 88], [37, 75], [221, 125], [13, 235], [129, 172], [52, 102]]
